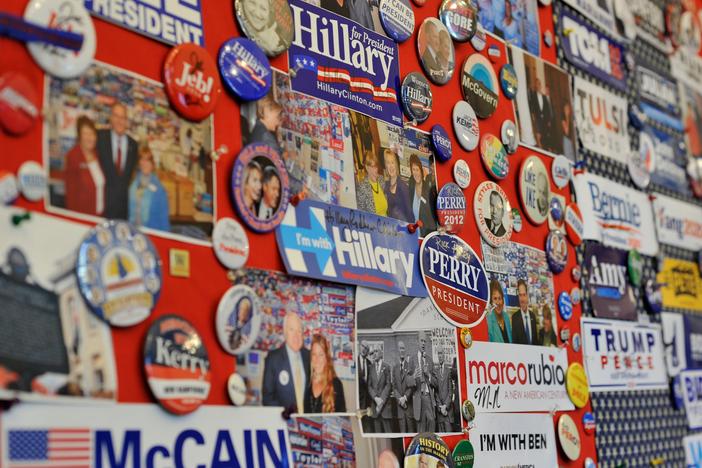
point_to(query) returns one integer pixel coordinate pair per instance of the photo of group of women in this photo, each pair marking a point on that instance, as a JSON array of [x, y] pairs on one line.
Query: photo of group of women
[[302, 357], [521, 303], [515, 21], [117, 150]]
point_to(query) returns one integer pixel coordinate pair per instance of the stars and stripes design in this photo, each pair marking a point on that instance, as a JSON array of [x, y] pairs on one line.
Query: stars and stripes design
[[54, 448]]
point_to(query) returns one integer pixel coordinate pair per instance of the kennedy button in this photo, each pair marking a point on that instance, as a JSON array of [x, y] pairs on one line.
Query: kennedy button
[[508, 135], [441, 143], [556, 251], [451, 208], [19, 103], [560, 171], [245, 69], [508, 81], [416, 97], [192, 83], [397, 17], [565, 306], [465, 124], [479, 85], [460, 18], [494, 156], [461, 173]]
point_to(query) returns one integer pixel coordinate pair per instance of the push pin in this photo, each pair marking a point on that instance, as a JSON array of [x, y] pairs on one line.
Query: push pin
[[231, 276], [553, 410], [219, 152], [18, 219], [287, 412], [297, 198], [361, 413], [412, 227]]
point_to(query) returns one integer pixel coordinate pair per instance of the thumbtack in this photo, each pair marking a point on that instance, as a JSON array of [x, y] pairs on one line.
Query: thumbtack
[[231, 276], [18, 219], [297, 198], [219, 152], [361, 413], [287, 412], [412, 227]]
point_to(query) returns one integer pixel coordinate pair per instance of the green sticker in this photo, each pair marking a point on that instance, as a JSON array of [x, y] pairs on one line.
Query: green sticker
[[635, 264], [463, 455]]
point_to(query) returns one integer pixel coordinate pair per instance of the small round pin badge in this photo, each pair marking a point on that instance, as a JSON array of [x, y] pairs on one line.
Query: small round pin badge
[[556, 251], [468, 410], [565, 334], [419, 3], [589, 425], [245, 69], [576, 342], [576, 295], [269, 24], [465, 125], [119, 273], [560, 171], [556, 212], [31, 179], [191, 81], [516, 220], [416, 97], [653, 296], [451, 208], [576, 273], [478, 41], [545, 2], [460, 18], [177, 365], [260, 187], [441, 142], [576, 385], [508, 81], [641, 163], [466, 337], [565, 306], [589, 463], [20, 106], [397, 18], [548, 38], [9, 190], [494, 156], [508, 135], [479, 85], [574, 226], [494, 53], [461, 173], [635, 265], [534, 189], [436, 52], [493, 213], [236, 388], [238, 319], [230, 243], [463, 454], [427, 448], [569, 437]]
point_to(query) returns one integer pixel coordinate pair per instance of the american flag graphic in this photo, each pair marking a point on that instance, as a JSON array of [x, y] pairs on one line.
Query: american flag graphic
[[55, 448]]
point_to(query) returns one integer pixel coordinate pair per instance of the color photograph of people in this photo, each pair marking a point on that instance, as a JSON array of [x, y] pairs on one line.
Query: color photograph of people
[[261, 188], [116, 150], [436, 50], [515, 21]]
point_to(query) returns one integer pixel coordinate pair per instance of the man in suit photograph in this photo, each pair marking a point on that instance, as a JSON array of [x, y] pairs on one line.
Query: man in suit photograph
[[118, 157], [423, 401], [379, 386], [497, 212], [542, 113], [403, 384], [444, 394], [430, 56], [364, 400], [523, 321], [286, 370]]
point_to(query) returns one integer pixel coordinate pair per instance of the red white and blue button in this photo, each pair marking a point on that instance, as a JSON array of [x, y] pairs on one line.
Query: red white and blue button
[[416, 97], [245, 69], [451, 208], [397, 18]]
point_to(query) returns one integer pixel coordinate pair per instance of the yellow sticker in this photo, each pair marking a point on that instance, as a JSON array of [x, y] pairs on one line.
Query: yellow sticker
[[576, 385], [466, 337], [179, 263], [681, 284]]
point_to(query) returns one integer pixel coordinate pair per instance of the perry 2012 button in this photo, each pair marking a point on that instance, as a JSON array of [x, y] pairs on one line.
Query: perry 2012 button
[[451, 207]]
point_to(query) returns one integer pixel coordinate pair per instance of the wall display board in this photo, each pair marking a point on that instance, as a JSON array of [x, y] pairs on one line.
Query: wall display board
[[681, 284], [682, 336]]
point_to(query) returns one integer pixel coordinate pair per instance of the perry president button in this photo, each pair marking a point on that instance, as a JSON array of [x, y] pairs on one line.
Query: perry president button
[[479, 84]]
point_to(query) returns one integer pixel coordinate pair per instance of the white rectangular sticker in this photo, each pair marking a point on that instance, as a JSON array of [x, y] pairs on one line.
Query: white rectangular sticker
[[691, 383], [678, 223], [693, 450]]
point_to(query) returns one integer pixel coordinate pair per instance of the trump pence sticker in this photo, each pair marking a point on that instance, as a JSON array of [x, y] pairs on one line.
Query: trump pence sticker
[[455, 279]]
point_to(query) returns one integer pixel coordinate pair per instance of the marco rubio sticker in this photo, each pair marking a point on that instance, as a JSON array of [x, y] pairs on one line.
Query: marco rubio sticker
[[455, 279], [505, 378], [607, 281], [678, 223], [615, 215], [622, 356], [691, 383]]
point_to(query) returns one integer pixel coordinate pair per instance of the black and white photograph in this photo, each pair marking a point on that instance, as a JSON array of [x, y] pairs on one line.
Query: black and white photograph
[[407, 366]]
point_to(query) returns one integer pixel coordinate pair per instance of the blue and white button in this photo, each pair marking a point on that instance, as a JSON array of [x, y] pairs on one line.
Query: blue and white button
[[556, 251], [397, 17], [245, 69], [441, 142], [416, 97], [565, 306]]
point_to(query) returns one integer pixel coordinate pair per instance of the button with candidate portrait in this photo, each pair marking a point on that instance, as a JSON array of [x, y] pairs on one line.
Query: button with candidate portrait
[[260, 187], [478, 41], [516, 220], [493, 213], [177, 365], [66, 16], [560, 171], [465, 125], [436, 52], [494, 156], [192, 83], [508, 80], [119, 273], [416, 97], [427, 449], [556, 251], [653, 296], [245, 69], [31, 179], [635, 266], [238, 319], [268, 23], [534, 190], [589, 425], [20, 107], [508, 135], [461, 173], [479, 85], [441, 143], [463, 454], [230, 243], [574, 226], [451, 208], [565, 305], [397, 18], [460, 18]]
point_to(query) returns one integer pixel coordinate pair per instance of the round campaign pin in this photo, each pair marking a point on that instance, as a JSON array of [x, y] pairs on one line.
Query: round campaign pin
[[576, 295], [397, 18], [508, 81], [465, 125], [460, 18], [479, 84], [20, 107], [31, 179], [238, 319], [419, 3], [451, 208], [9, 191], [436, 52], [565, 305], [576, 385], [236, 388], [466, 337], [441, 143], [230, 243], [463, 454], [576, 273], [268, 23], [516, 220], [534, 189], [508, 135], [66, 16], [192, 82], [653, 296], [640, 164], [461, 299], [635, 266], [494, 52], [177, 365], [556, 251], [119, 273], [574, 226], [569, 437], [494, 156], [589, 425], [260, 187], [468, 410], [589, 463], [461, 173], [560, 171], [577, 342], [478, 41], [427, 449], [493, 213], [565, 334], [245, 69], [416, 97]]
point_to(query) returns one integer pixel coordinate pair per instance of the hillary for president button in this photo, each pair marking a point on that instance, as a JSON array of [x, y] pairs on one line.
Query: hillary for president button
[[268, 23], [556, 251], [479, 84], [465, 125], [461, 173], [441, 143], [494, 156], [230, 243], [460, 18], [176, 364], [508, 136], [397, 18], [493, 213], [534, 190], [244, 68], [451, 208], [20, 107], [416, 98]]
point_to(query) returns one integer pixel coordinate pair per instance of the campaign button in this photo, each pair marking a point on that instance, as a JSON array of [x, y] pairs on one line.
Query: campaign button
[[493, 213], [589, 463], [565, 334], [508, 80], [576, 295], [465, 125], [494, 156], [230, 243], [545, 2], [419, 3], [461, 173], [416, 97], [460, 18], [466, 337], [569, 437], [576, 273], [268, 23], [635, 265], [427, 448], [560, 171], [19, 103], [516, 220], [436, 52], [508, 135], [556, 211], [641, 163], [441, 143], [177, 365], [494, 52], [397, 18], [534, 190], [637, 117], [479, 85], [451, 207], [565, 305], [32, 180], [9, 191], [463, 454], [556, 251], [574, 226], [576, 342], [236, 388], [653, 296], [677, 392], [468, 410], [244, 68], [576, 385], [238, 319], [478, 41], [192, 83], [589, 425], [72, 16]]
